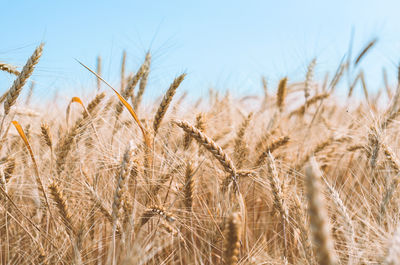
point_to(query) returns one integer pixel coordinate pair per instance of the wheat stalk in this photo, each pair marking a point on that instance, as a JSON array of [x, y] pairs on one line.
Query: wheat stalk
[[98, 71]]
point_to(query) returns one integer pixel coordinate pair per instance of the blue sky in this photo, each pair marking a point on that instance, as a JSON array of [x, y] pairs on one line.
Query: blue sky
[[223, 44]]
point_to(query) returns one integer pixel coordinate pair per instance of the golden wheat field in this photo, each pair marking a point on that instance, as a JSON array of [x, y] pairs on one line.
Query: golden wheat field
[[295, 175]]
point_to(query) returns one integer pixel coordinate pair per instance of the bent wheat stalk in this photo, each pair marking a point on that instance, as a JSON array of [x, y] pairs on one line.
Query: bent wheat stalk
[[37, 176]]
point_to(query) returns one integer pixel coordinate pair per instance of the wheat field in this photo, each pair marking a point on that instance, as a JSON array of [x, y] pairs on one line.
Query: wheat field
[[295, 175]]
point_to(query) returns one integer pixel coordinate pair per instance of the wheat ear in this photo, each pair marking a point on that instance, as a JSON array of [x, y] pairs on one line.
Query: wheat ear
[[212, 147], [232, 240], [309, 78], [150, 212], [318, 216], [18, 84], [46, 135], [9, 69], [272, 147], [143, 83], [123, 65], [62, 208], [189, 186], [301, 110], [129, 89], [346, 217], [264, 84], [390, 188], [121, 183], [162, 109], [321, 146], [200, 124], [276, 187], [240, 147], [30, 93], [64, 146], [279, 201], [365, 50], [281, 94]]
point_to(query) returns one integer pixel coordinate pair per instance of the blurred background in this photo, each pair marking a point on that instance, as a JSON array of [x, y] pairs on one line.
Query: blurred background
[[220, 44]]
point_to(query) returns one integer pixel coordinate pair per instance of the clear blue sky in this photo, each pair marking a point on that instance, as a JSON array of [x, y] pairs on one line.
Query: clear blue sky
[[224, 44]]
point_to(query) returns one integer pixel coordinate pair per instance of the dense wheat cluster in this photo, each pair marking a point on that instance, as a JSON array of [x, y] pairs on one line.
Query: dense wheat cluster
[[295, 176]]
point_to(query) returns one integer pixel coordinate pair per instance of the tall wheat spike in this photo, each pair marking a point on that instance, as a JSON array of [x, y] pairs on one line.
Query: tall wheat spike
[[241, 149], [365, 50], [162, 109], [188, 189], [18, 84], [309, 77], [130, 86], [281, 94], [121, 182], [319, 221], [143, 83], [62, 208]]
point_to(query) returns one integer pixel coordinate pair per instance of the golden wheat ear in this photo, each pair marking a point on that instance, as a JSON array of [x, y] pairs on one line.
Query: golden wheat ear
[[214, 149], [162, 109], [232, 240], [63, 208], [319, 219], [143, 83], [188, 188], [46, 134], [9, 69], [281, 93], [18, 84]]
